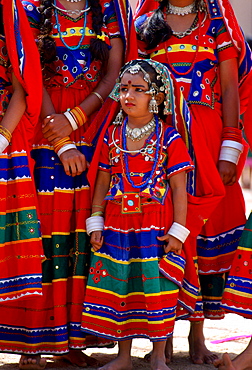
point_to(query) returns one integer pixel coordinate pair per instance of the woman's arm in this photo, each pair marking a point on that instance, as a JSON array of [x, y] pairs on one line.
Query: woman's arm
[[16, 107], [179, 200], [101, 189], [230, 111], [60, 126]]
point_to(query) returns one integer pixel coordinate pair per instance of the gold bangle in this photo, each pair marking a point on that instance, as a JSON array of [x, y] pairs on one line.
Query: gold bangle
[[98, 96]]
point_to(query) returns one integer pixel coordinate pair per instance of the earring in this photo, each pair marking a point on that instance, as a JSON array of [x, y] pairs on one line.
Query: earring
[[153, 106], [119, 118]]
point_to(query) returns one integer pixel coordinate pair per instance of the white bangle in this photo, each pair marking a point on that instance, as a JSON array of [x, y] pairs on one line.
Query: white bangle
[[230, 151], [3, 143], [178, 231], [65, 148], [94, 223], [71, 120], [233, 144]]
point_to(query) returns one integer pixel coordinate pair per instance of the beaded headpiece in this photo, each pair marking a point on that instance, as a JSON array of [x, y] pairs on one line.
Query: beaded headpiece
[[162, 74]]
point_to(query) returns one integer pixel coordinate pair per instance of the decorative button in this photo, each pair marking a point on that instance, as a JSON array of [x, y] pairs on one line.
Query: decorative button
[[57, 267], [232, 285], [87, 309], [57, 245], [246, 263], [52, 177], [130, 203], [52, 158]]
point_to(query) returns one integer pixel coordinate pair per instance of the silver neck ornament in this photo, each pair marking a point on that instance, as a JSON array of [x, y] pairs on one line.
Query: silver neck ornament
[[178, 10], [136, 134]]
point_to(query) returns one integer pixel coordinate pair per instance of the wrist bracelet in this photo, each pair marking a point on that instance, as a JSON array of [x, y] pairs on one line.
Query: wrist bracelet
[[230, 151], [98, 96], [3, 143], [65, 148], [178, 231], [6, 133], [71, 120], [95, 223]]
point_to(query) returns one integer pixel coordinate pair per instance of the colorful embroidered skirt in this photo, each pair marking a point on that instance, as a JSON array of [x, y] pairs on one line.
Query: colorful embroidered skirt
[[21, 249], [126, 295], [237, 296], [51, 324]]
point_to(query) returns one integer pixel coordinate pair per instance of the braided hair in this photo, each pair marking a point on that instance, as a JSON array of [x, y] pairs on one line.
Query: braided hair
[[155, 29], [46, 44]]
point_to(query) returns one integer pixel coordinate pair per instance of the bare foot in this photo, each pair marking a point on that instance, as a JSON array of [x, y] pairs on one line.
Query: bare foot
[[198, 351], [224, 363], [158, 363], [32, 362], [77, 357], [119, 363], [168, 351]]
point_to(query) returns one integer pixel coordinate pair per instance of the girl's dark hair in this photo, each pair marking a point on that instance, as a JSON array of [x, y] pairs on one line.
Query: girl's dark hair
[[155, 29], [46, 44]]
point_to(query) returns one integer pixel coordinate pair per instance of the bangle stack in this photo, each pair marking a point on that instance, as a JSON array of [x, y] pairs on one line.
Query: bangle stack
[[3, 143], [98, 96], [231, 147], [94, 223], [178, 231], [63, 145], [232, 133], [230, 151], [99, 213], [6, 133], [76, 117]]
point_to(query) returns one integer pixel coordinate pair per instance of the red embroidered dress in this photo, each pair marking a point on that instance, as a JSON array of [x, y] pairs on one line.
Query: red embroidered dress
[[194, 62], [126, 294]]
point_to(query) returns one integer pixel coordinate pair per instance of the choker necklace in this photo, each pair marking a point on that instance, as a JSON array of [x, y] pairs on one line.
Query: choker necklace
[[177, 10], [136, 134], [73, 1], [72, 12]]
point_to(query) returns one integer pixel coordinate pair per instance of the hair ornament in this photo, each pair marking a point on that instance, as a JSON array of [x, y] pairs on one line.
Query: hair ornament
[[162, 74]]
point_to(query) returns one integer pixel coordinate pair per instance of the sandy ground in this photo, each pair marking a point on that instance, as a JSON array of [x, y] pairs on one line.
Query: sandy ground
[[231, 326]]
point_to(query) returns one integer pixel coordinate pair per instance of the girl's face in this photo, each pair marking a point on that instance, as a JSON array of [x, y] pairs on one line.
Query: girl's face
[[133, 97]]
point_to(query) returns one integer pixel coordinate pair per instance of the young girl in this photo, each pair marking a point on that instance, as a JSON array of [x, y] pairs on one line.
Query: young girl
[[142, 176]]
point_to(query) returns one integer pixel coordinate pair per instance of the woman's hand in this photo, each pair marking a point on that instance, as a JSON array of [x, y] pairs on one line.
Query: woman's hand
[[96, 240], [227, 171], [74, 162], [173, 244], [56, 127]]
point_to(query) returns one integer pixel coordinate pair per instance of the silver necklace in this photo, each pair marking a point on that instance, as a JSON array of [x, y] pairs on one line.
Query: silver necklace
[[73, 1], [143, 150], [136, 134], [178, 10], [187, 32], [72, 12]]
